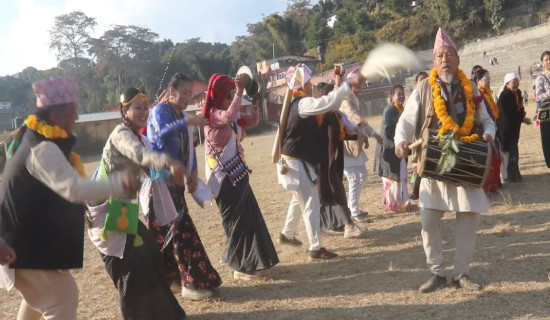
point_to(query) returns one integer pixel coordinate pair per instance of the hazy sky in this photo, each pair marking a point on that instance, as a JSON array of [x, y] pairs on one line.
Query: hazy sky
[[25, 24]]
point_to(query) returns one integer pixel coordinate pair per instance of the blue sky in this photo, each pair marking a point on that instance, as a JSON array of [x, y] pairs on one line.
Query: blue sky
[[25, 24]]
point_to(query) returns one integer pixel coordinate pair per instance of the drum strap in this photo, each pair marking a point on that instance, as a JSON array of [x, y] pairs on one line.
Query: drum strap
[[452, 108]]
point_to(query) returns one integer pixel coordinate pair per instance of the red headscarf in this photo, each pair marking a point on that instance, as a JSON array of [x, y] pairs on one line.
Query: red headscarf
[[220, 87]]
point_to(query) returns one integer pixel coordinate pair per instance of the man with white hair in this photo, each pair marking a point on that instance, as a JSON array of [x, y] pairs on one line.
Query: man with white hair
[[447, 100], [301, 152], [355, 158]]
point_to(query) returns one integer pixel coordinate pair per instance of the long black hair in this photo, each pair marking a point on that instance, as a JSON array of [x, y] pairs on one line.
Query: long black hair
[[394, 88], [129, 94], [474, 69], [478, 74], [420, 74], [177, 80]]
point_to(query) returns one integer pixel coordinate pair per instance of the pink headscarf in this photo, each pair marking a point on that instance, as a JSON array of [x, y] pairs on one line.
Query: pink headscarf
[[55, 91]]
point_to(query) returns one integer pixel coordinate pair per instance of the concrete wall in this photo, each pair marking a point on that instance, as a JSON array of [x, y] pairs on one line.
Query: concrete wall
[[497, 43]]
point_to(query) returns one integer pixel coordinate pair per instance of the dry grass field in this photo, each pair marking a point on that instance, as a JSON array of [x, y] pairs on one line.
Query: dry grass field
[[376, 277]]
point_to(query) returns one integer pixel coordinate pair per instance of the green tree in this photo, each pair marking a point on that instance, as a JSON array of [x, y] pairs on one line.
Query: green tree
[[348, 49], [286, 32], [69, 35], [496, 14], [17, 91], [317, 33]]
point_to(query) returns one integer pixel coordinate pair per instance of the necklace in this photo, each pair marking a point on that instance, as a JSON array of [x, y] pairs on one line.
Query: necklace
[[447, 123], [488, 95], [54, 132]]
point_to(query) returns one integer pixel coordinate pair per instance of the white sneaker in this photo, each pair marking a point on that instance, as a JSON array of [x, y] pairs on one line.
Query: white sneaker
[[254, 275], [354, 231], [195, 294]]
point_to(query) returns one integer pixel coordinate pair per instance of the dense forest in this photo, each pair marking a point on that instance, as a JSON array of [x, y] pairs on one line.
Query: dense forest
[[130, 55]]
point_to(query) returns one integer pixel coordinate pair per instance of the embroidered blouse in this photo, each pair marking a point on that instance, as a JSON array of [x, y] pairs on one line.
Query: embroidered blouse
[[218, 130], [168, 133], [542, 86]]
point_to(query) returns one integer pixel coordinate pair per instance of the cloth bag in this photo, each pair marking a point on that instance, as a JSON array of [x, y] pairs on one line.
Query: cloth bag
[[122, 216]]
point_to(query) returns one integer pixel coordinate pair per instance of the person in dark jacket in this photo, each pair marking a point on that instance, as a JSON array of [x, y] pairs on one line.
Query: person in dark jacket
[[513, 115], [387, 165], [47, 233]]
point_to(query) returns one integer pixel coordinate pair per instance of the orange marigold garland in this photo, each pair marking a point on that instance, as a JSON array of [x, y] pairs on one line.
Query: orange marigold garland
[[398, 108], [46, 130], [488, 95], [54, 132], [76, 162], [447, 123]]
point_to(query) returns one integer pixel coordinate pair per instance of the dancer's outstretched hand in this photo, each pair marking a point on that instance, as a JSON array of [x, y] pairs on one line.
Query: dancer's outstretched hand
[[7, 254], [192, 182], [197, 121], [178, 174]]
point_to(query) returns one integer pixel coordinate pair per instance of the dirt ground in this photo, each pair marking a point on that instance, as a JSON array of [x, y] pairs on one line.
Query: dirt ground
[[376, 277]]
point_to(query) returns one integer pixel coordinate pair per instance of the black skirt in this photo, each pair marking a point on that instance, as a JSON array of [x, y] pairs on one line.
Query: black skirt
[[140, 277], [249, 246], [335, 216], [545, 138]]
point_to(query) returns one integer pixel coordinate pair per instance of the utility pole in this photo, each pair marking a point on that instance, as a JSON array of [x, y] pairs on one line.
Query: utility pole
[[273, 50]]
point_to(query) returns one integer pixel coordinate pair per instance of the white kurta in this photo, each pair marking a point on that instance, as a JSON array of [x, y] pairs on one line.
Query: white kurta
[[435, 194]]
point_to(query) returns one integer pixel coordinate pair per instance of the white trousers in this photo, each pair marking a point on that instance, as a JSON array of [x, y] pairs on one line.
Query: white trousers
[[305, 202], [51, 294], [357, 177], [465, 241], [504, 156]]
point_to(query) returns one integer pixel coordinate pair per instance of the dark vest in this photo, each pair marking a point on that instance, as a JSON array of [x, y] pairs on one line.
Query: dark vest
[[302, 137], [45, 230]]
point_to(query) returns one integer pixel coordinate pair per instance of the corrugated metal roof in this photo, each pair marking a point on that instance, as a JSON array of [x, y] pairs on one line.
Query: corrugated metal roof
[[105, 116], [98, 116]]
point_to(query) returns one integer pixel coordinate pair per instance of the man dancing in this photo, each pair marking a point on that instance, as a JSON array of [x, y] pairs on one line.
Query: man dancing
[[301, 152], [41, 204], [446, 99]]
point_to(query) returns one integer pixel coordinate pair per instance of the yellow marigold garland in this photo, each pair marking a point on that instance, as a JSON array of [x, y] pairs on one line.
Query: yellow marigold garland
[[447, 122], [48, 131], [488, 95], [398, 108], [54, 132], [76, 162]]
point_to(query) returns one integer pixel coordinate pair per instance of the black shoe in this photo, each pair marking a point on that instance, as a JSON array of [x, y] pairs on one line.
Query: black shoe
[[291, 242], [322, 254], [465, 283], [434, 283]]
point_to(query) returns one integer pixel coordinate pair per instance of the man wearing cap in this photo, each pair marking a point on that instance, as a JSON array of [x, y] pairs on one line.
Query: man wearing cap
[[355, 158], [41, 204], [446, 97], [301, 153]]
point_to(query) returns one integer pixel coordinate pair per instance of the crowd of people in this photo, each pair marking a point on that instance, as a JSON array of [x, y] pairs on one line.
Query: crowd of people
[[323, 140]]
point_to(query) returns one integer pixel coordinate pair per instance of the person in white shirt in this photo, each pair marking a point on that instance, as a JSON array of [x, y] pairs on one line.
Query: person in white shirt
[[458, 104], [301, 152], [355, 158], [41, 204]]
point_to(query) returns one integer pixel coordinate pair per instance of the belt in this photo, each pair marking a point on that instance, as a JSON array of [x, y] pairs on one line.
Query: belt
[[290, 158]]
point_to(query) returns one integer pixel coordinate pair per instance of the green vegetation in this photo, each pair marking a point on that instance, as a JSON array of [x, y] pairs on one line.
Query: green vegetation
[[135, 56]]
